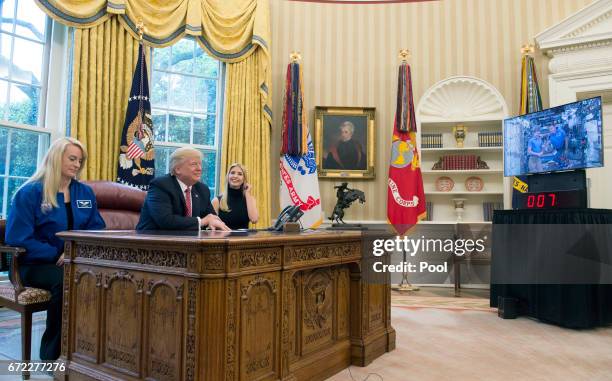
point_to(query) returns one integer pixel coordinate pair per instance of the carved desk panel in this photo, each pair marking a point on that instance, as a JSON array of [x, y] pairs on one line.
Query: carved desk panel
[[267, 306]]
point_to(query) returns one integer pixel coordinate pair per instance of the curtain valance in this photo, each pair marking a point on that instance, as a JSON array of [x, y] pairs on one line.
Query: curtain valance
[[229, 27], [229, 30]]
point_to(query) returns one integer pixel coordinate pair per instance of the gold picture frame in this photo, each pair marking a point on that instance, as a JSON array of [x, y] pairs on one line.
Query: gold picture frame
[[344, 142]]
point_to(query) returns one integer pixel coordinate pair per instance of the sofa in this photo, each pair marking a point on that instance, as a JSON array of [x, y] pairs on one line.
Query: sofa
[[118, 204]]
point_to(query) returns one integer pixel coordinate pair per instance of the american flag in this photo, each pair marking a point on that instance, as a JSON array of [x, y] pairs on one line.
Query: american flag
[[136, 164], [135, 149]]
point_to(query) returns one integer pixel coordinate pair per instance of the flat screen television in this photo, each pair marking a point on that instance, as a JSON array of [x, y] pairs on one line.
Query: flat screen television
[[557, 139]]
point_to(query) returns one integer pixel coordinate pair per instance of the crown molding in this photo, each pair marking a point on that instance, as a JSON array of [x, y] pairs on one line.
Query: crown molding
[[588, 28], [589, 58]]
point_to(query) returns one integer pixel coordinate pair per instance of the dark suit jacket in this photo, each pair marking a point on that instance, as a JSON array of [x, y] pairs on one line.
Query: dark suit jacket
[[164, 207]]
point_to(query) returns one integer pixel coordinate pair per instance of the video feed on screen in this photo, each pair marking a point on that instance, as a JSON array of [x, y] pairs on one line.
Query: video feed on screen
[[557, 139]]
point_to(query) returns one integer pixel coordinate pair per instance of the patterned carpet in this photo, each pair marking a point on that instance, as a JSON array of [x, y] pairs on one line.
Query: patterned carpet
[[436, 298]]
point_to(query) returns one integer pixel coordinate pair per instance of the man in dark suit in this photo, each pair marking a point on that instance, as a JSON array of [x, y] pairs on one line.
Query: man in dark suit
[[179, 201]]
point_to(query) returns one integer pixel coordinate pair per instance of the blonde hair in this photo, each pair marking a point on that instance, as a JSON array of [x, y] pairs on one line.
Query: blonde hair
[[223, 201], [50, 171], [181, 154]]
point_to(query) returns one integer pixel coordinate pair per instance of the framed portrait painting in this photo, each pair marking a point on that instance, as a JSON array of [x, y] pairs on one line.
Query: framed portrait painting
[[344, 141]]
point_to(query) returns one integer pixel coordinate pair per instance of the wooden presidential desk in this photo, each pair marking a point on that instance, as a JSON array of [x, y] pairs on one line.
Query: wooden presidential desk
[[267, 306]]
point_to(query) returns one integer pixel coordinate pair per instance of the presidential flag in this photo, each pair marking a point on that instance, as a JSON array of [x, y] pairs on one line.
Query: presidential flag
[[299, 182], [137, 157], [405, 195], [531, 101]]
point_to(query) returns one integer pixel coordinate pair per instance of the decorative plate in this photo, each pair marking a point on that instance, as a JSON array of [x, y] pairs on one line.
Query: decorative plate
[[474, 184], [444, 184]]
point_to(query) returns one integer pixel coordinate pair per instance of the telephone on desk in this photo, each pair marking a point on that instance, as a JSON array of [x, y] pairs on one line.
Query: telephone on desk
[[291, 213]]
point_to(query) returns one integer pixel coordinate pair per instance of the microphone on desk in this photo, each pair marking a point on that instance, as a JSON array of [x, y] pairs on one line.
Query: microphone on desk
[[291, 213]]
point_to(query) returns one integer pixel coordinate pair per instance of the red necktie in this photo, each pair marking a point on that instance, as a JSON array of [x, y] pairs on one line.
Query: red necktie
[[188, 202]]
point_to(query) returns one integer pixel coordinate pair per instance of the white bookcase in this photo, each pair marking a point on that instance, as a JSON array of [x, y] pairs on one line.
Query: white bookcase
[[478, 106]]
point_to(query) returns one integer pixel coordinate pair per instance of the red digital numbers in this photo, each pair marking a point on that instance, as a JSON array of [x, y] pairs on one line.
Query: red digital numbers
[[541, 200]]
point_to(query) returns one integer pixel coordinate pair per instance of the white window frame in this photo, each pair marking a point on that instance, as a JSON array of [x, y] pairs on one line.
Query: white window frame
[[216, 147], [52, 106]]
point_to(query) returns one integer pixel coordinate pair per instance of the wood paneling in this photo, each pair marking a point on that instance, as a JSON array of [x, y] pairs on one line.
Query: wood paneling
[[87, 323], [164, 319]]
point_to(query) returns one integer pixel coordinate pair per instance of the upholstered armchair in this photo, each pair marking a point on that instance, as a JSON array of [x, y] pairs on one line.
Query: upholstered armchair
[[119, 206]]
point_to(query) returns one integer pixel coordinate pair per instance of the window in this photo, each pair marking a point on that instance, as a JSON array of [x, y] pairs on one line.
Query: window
[[186, 99], [24, 56]]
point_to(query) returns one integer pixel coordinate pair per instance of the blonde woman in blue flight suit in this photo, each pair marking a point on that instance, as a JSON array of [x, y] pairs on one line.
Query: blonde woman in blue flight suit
[[51, 201]]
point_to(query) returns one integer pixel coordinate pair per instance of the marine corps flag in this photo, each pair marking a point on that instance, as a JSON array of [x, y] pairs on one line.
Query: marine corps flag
[[299, 183], [405, 195], [137, 157], [531, 101]]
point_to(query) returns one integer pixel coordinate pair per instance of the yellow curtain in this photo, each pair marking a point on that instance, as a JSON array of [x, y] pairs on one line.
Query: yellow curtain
[[246, 130], [104, 58], [229, 30], [230, 26], [105, 52]]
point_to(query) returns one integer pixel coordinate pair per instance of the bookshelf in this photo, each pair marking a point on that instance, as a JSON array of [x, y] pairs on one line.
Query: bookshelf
[[480, 108]]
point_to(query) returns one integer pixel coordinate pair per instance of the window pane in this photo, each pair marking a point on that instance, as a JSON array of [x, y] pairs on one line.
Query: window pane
[[204, 64], [8, 12], [159, 92], [178, 84], [5, 54], [182, 56], [23, 107], [159, 125], [206, 95], [181, 92], [161, 58], [3, 98], [204, 130], [13, 185], [24, 153], [3, 147], [209, 166], [32, 19], [2, 200], [27, 61], [179, 128], [161, 160]]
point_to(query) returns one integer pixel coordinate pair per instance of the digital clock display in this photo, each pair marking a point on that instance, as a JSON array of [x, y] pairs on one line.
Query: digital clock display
[[554, 200]]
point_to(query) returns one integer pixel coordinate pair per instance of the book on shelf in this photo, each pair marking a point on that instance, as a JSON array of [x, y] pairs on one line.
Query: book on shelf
[[431, 141], [490, 139], [459, 162]]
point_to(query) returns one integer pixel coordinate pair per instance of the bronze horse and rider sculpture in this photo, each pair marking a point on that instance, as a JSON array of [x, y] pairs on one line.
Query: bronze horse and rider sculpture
[[346, 196]]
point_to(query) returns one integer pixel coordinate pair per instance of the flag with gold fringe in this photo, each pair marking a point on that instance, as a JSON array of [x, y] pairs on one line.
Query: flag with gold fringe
[[531, 101], [294, 131], [405, 195], [299, 182], [136, 165]]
